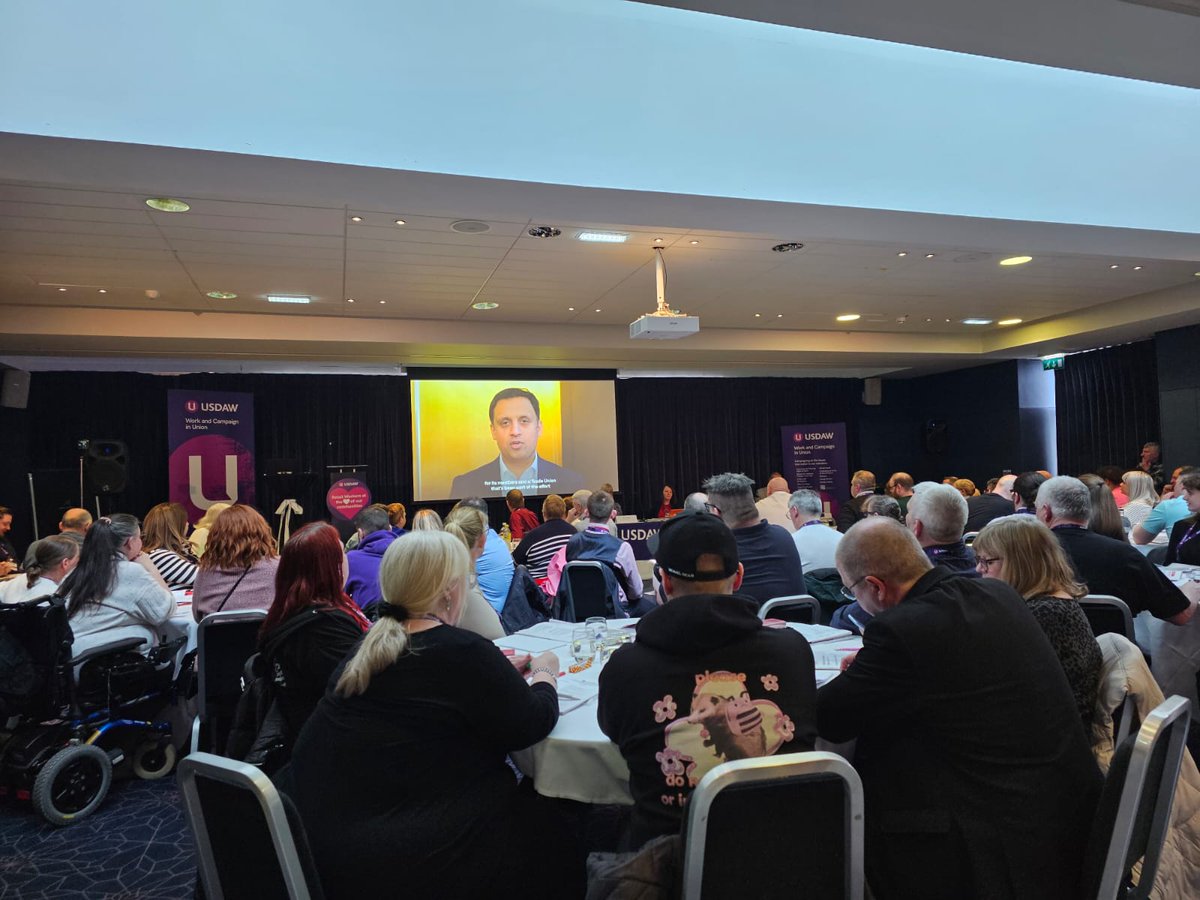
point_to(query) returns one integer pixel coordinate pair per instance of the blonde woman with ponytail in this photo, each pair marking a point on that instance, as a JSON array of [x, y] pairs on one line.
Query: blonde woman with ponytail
[[471, 526], [401, 770]]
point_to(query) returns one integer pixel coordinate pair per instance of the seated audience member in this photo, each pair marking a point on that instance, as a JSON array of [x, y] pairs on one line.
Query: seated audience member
[[936, 515], [426, 520], [77, 521], [199, 537], [374, 528], [966, 487], [881, 505], [705, 683], [767, 552], [495, 567], [1150, 463], [664, 508], [1183, 546], [578, 510], [814, 541], [774, 506], [977, 778], [1023, 552], [1156, 527], [398, 517], [470, 526], [612, 492], [47, 563], [995, 503], [862, 486], [1139, 488], [1112, 476], [521, 521], [1105, 565], [312, 625], [8, 553], [401, 769], [1105, 518], [1025, 489], [696, 502], [597, 543], [900, 486], [538, 546], [991, 485], [115, 592], [164, 537], [239, 564]]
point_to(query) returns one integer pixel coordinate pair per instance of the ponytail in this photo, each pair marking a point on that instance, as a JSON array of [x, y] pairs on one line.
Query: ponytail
[[47, 553], [93, 579]]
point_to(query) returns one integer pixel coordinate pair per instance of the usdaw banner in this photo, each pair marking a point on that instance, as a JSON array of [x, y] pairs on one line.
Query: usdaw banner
[[211, 440]]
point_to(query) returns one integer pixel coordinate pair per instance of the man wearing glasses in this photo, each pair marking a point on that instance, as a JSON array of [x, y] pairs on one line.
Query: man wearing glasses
[[977, 777]]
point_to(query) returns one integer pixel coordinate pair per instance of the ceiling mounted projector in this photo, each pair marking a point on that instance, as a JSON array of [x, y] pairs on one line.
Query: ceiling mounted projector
[[664, 324]]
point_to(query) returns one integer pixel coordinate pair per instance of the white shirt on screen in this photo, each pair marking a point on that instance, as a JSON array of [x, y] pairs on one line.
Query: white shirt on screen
[[529, 475]]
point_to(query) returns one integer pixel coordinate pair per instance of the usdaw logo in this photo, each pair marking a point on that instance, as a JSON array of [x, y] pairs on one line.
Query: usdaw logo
[[191, 406]]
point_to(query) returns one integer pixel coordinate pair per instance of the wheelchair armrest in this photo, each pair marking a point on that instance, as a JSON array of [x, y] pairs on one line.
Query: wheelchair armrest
[[132, 643]]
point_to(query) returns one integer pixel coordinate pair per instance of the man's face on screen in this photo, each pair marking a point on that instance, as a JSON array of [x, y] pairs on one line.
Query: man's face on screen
[[516, 429]]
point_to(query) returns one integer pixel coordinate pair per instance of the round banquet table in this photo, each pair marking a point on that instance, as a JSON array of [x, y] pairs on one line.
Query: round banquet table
[[577, 761], [1174, 649]]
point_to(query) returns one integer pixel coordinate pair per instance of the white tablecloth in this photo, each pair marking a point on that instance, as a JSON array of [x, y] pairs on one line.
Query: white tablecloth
[[577, 761], [1174, 649]]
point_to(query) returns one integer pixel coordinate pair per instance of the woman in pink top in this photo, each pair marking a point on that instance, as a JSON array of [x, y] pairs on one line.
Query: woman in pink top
[[237, 570]]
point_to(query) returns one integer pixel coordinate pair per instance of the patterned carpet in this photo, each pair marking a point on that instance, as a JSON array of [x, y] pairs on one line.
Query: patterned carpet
[[135, 847]]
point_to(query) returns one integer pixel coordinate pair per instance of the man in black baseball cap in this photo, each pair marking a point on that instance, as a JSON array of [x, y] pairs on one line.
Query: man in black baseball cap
[[705, 682]]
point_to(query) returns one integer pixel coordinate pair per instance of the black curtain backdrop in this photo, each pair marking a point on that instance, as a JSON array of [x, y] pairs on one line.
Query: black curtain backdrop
[[679, 431], [1107, 404]]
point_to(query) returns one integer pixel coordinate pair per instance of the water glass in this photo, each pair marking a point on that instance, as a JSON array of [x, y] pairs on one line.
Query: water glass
[[597, 627], [582, 645]]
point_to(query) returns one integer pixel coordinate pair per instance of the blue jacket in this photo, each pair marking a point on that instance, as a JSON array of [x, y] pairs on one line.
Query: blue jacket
[[363, 583]]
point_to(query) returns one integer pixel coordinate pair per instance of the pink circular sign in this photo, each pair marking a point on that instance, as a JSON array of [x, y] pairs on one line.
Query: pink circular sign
[[347, 497]]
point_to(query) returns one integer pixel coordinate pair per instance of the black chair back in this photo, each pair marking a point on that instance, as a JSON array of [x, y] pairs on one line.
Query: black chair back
[[588, 590], [224, 641], [248, 843], [776, 811], [1108, 615], [35, 644]]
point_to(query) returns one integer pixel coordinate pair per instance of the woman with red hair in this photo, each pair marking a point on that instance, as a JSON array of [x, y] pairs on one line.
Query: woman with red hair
[[237, 570], [312, 625]]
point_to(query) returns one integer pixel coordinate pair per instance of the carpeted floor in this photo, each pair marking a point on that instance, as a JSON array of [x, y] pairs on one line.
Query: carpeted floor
[[135, 847]]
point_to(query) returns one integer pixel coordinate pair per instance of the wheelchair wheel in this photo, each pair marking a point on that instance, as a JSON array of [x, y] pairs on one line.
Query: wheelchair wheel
[[72, 784], [151, 761]]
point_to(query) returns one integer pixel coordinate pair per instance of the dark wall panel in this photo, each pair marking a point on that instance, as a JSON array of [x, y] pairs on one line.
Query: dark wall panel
[[1179, 386]]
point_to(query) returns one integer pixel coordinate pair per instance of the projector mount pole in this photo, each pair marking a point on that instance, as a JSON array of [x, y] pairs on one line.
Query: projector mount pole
[[660, 277]]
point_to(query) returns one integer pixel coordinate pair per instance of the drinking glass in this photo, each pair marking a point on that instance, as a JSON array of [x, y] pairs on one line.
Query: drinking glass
[[597, 627], [582, 646]]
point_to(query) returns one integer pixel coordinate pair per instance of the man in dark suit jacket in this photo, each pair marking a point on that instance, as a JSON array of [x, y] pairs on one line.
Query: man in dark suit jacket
[[516, 422], [995, 503], [862, 486], [978, 778]]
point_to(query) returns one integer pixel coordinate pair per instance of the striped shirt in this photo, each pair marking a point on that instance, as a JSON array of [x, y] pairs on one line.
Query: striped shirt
[[177, 571], [538, 546]]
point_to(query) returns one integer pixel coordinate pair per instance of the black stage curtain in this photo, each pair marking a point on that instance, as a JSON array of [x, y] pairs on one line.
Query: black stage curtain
[[679, 431], [1107, 407], [316, 420]]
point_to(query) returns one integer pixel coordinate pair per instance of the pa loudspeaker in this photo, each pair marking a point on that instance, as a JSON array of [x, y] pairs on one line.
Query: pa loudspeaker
[[14, 392], [104, 465], [872, 391], [936, 437]]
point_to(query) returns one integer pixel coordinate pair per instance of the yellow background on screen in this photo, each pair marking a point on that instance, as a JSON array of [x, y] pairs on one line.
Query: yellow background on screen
[[452, 434]]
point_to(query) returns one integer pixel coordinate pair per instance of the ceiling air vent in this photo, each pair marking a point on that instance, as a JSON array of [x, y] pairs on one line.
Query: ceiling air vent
[[470, 226]]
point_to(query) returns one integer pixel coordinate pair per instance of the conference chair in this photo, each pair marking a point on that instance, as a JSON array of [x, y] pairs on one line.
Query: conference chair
[[760, 812], [793, 608], [224, 641], [1135, 806], [969, 537], [589, 588], [250, 842], [1107, 614]]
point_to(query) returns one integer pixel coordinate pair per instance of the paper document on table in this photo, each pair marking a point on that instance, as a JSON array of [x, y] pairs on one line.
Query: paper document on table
[[529, 643], [554, 630], [830, 658], [816, 634]]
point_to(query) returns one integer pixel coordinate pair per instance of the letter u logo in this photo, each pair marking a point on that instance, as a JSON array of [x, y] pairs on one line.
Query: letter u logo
[[196, 488]]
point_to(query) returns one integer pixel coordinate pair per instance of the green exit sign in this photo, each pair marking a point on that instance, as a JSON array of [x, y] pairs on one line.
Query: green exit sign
[[1052, 362]]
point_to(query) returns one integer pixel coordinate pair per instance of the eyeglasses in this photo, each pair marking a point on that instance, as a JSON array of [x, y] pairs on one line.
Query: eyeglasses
[[982, 562], [848, 592], [713, 508]]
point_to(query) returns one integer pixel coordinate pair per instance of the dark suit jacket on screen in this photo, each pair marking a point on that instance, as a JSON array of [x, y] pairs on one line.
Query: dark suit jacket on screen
[[552, 479], [978, 777]]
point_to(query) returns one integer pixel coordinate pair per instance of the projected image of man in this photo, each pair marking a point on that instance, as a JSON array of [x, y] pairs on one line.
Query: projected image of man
[[516, 423]]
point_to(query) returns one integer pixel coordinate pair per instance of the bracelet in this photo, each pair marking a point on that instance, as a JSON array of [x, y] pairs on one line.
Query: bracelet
[[548, 671]]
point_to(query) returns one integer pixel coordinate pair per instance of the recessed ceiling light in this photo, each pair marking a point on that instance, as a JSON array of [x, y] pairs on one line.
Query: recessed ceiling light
[[356, 218], [758, 315], [1114, 266], [1197, 274], [658, 240], [1016, 260], [977, 321], [849, 317], [282, 298], [1137, 268], [349, 299], [902, 253], [221, 295], [1009, 322], [779, 315], [102, 291], [62, 290], [788, 247], [570, 309], [597, 310], [544, 231], [382, 302], [602, 237], [484, 304], [167, 204], [401, 222], [930, 255], [693, 243]]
